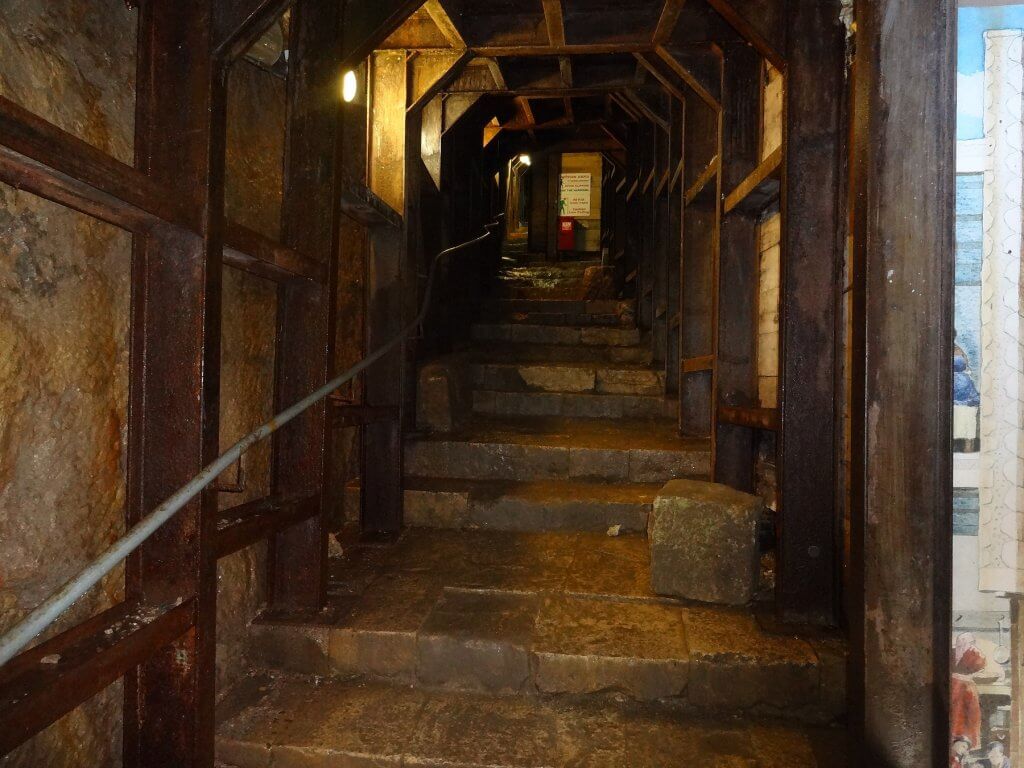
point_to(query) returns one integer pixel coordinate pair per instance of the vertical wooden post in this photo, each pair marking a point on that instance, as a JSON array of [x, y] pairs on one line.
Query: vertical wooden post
[[813, 241], [634, 230], [674, 233], [381, 454], [554, 161], [174, 387], [661, 242], [904, 105], [305, 324], [737, 284], [645, 257]]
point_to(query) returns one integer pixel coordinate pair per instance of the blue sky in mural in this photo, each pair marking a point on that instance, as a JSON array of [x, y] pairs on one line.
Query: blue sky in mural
[[971, 62]]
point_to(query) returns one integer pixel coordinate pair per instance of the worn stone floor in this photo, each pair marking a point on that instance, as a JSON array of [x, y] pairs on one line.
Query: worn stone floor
[[513, 623], [301, 722]]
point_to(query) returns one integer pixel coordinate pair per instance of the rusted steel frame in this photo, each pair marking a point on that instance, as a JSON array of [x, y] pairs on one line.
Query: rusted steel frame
[[753, 417], [40, 158], [174, 378], [902, 194], [52, 163], [310, 223], [813, 241], [736, 360], [248, 250], [367, 24], [353, 415], [237, 24], [41, 685], [249, 523]]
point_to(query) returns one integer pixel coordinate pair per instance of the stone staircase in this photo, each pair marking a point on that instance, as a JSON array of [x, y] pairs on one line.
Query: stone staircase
[[513, 623]]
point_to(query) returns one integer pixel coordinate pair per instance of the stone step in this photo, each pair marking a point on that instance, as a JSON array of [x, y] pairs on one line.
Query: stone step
[[290, 721], [528, 506], [565, 306], [568, 377], [556, 614], [529, 449], [557, 335], [506, 352], [572, 405], [578, 319]]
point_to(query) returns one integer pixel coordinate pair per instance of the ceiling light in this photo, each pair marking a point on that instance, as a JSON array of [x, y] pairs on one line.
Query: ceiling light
[[349, 86], [524, 159]]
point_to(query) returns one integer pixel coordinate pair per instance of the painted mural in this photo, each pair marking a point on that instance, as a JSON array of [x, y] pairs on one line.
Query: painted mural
[[988, 383]]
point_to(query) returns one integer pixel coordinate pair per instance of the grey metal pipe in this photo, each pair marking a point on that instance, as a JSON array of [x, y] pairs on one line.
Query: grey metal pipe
[[18, 637]]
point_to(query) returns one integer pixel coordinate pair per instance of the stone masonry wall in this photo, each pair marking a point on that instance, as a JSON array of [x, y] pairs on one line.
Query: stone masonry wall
[[64, 310]]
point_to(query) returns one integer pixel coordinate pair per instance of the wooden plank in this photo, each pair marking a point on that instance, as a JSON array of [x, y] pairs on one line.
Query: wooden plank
[[813, 242], [49, 680], [904, 102], [248, 250], [760, 189], [754, 418], [174, 380], [297, 556]]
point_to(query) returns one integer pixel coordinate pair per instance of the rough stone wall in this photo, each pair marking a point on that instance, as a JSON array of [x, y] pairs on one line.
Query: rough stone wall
[[64, 310], [64, 304], [255, 154]]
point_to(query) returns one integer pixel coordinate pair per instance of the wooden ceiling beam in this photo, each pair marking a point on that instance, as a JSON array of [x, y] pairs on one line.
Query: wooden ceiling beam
[[687, 77], [582, 49], [554, 19], [565, 68], [661, 77], [439, 15], [668, 20], [497, 74], [727, 10]]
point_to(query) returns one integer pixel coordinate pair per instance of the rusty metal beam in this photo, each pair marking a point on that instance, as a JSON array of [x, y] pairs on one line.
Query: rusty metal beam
[[305, 328], [46, 682], [174, 382], [812, 246]]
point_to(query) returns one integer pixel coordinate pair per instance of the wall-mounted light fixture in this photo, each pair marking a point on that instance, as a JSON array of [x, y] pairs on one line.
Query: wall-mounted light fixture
[[349, 86], [525, 159]]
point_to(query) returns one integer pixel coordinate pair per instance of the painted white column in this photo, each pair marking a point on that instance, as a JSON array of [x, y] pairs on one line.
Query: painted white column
[[1001, 480]]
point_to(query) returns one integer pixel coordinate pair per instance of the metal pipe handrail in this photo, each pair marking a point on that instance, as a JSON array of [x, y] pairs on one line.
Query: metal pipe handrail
[[18, 637]]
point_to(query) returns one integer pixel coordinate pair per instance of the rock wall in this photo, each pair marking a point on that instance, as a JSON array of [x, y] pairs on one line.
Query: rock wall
[[64, 310]]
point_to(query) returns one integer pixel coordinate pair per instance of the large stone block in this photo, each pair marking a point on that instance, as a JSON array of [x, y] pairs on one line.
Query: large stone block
[[703, 539], [443, 395]]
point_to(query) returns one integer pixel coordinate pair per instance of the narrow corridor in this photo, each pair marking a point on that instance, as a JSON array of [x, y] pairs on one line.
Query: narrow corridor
[[514, 622]]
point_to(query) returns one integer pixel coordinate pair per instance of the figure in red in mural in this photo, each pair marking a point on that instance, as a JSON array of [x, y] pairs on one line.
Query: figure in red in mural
[[965, 714]]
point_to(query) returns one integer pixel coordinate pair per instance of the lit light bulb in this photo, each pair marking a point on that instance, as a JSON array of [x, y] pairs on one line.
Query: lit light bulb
[[349, 86], [524, 159]]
